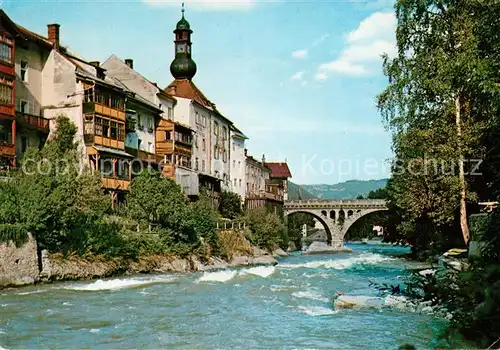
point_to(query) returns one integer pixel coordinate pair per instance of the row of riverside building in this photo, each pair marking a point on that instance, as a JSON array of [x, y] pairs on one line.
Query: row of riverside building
[[126, 121]]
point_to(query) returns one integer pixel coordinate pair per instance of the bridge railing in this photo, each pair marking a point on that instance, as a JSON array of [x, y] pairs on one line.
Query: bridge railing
[[306, 202]]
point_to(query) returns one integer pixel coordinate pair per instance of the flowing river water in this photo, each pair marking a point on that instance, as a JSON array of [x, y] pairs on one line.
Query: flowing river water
[[284, 306]]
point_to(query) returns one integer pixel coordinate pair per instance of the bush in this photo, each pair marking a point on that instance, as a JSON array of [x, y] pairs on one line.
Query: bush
[[230, 205], [266, 230], [62, 205]]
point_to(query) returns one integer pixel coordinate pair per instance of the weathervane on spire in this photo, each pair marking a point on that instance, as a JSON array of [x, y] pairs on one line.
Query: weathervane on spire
[[182, 10]]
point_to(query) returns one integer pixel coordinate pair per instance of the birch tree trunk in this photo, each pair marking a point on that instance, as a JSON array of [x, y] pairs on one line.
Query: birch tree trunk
[[461, 174]]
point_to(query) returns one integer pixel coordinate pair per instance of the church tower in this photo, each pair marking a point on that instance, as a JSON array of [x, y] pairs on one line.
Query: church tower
[[183, 66]]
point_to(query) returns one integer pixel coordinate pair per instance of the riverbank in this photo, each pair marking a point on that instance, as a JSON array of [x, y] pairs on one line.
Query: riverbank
[[20, 266], [59, 268]]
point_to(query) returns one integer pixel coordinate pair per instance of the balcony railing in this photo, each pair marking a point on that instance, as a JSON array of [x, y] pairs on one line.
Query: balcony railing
[[7, 149], [264, 195], [39, 123]]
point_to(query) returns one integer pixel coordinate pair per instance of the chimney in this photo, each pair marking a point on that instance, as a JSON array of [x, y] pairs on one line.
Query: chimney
[[95, 63], [53, 34], [129, 62], [263, 158], [246, 152]]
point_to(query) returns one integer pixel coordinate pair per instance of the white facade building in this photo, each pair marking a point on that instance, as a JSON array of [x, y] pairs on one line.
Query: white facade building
[[237, 160]]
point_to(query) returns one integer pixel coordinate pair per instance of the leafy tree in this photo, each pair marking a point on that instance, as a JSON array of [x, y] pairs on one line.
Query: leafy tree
[[296, 222], [157, 200], [380, 193], [266, 230], [230, 205], [204, 221], [438, 105], [56, 199]]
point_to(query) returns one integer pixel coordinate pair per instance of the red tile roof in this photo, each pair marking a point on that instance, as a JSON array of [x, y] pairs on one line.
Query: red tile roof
[[185, 88], [279, 170]]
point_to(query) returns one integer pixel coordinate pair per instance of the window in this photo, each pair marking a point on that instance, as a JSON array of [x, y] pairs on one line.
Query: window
[[234, 163], [203, 144], [139, 141], [105, 128], [98, 126], [151, 123], [122, 169], [224, 156], [168, 135], [5, 52], [234, 182], [139, 122], [6, 92], [196, 164], [216, 152], [170, 114], [196, 140], [24, 71], [114, 132], [203, 165], [23, 106], [121, 132], [216, 129], [239, 182], [224, 133]]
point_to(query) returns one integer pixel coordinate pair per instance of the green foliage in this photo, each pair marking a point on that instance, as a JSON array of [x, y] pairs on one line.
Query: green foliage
[[159, 201], [55, 199], [379, 193], [296, 222], [298, 192], [447, 54], [266, 230], [204, 221], [230, 205]]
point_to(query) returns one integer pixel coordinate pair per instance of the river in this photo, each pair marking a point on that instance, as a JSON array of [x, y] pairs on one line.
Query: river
[[286, 306]]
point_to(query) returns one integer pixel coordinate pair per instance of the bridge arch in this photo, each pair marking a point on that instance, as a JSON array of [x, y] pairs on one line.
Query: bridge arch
[[337, 216], [317, 217], [356, 217]]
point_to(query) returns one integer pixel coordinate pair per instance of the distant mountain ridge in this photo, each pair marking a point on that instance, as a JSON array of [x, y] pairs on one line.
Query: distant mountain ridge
[[298, 192], [344, 190]]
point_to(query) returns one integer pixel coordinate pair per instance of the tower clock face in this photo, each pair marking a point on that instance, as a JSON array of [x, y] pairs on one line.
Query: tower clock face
[[181, 48]]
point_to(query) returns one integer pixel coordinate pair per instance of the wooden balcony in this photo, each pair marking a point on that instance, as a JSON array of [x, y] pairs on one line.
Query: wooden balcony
[[7, 150], [94, 107], [142, 155], [91, 139], [7, 110], [112, 183], [32, 121]]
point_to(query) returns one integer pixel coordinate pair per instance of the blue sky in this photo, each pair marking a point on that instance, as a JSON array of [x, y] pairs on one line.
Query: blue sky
[[299, 78]]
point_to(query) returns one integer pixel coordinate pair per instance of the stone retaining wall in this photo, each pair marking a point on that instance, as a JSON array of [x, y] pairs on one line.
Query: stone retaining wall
[[18, 265]]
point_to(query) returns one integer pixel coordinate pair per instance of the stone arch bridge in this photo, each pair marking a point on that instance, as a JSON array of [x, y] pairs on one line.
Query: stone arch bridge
[[336, 215]]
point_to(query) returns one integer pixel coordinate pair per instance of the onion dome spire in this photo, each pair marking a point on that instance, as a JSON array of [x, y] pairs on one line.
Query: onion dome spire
[[183, 66]]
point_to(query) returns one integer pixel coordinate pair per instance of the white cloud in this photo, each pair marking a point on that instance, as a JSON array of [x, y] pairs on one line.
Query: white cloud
[[300, 53], [379, 25], [205, 5], [365, 45], [297, 76]]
